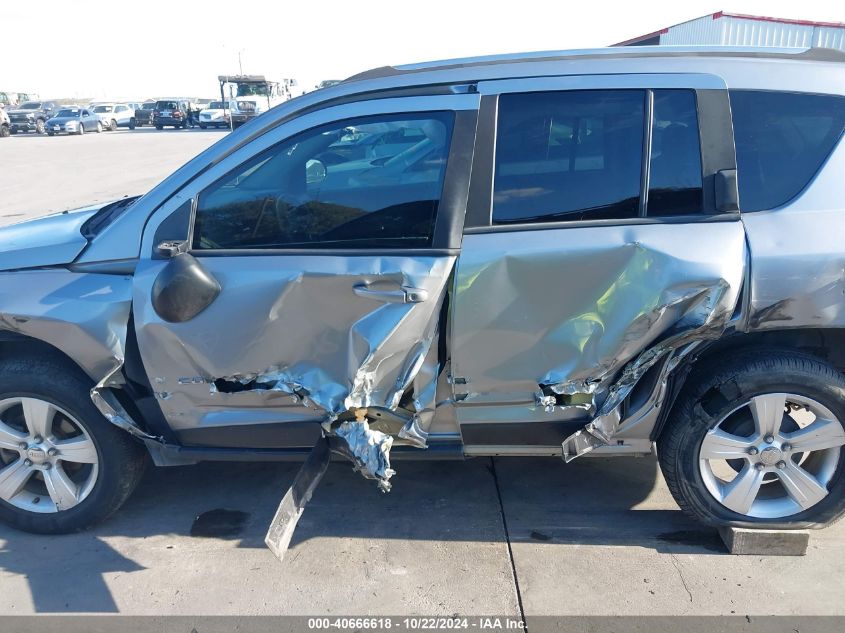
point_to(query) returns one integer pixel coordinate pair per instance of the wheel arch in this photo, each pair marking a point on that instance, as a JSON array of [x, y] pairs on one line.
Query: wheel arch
[[827, 344], [17, 345], [137, 396]]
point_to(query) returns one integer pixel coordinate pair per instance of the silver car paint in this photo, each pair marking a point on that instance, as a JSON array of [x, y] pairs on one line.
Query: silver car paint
[[82, 314], [372, 364], [53, 239], [798, 270], [306, 334], [517, 328]]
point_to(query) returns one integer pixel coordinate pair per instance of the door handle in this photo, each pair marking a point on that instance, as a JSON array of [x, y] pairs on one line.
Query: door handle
[[404, 294]]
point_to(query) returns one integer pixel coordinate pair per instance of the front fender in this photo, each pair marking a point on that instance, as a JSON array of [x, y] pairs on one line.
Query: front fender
[[84, 315]]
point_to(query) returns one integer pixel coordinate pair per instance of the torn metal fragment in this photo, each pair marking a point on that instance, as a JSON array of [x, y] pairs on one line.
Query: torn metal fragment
[[107, 403], [369, 450], [548, 402], [413, 433], [298, 495], [604, 426]]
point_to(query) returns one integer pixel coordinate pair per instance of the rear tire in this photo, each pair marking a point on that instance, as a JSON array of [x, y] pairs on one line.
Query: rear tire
[[113, 125], [4, 131], [159, 127], [719, 423], [114, 458], [39, 127], [132, 124]]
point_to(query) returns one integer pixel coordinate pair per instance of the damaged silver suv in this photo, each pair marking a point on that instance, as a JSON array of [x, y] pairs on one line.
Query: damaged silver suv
[[578, 253]]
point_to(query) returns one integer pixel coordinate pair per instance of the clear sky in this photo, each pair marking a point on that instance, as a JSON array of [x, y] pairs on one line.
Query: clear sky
[[134, 49]]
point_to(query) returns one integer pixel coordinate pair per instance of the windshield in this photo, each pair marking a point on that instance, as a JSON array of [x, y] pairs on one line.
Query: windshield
[[103, 108], [249, 90], [31, 105], [69, 112], [216, 105]]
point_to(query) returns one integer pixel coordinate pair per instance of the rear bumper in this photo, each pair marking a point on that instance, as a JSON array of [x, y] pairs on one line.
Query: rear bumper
[[169, 120]]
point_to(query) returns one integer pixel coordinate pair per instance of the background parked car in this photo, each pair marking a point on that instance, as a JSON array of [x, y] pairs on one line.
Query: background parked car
[[4, 123], [143, 115], [216, 114], [114, 115], [31, 116], [74, 121], [171, 112]]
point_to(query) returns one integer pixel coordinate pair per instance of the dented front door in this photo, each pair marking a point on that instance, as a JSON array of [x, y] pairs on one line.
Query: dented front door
[[332, 239], [599, 237]]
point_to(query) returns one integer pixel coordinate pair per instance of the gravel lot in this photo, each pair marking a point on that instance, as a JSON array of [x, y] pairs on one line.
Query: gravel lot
[[504, 536]]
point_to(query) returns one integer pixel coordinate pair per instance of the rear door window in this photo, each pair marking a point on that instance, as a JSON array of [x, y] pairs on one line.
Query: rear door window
[[573, 155], [782, 139]]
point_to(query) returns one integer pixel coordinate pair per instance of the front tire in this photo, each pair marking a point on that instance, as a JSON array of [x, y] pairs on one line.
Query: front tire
[[63, 467], [132, 123], [99, 127], [756, 440], [113, 125]]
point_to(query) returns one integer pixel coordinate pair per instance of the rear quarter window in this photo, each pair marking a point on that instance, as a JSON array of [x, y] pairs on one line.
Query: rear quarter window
[[782, 139]]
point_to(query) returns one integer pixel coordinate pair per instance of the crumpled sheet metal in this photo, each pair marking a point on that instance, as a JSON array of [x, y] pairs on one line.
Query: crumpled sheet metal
[[306, 334], [85, 315], [369, 450], [543, 316], [107, 403]]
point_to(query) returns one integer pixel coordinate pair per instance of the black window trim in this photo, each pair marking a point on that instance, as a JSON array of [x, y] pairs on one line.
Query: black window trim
[[715, 128], [446, 237]]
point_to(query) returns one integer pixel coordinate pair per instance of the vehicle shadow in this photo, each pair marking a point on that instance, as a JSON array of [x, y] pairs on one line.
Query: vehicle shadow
[[593, 501]]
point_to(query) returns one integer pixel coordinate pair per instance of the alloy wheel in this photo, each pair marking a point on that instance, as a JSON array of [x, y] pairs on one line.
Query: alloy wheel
[[772, 457], [48, 461]]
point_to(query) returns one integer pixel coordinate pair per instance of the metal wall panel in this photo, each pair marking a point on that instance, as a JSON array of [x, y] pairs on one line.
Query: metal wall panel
[[734, 31], [704, 31], [829, 37]]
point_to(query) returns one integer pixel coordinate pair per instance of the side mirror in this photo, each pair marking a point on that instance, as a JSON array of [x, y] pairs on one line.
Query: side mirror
[[170, 249], [183, 288]]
